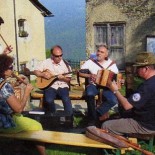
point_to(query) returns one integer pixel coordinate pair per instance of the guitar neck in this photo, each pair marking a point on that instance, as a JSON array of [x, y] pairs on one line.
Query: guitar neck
[[64, 74], [67, 73]]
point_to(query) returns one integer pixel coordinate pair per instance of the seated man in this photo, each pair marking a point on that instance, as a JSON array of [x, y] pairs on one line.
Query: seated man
[[141, 102], [108, 98], [60, 85]]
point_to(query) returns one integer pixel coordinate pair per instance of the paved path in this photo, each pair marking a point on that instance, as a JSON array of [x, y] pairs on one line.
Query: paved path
[[78, 105]]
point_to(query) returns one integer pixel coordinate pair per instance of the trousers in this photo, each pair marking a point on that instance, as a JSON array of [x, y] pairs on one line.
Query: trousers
[[125, 126], [108, 101], [51, 94], [22, 124]]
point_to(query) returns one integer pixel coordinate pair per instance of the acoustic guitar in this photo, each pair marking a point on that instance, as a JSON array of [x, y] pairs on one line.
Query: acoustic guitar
[[43, 83]]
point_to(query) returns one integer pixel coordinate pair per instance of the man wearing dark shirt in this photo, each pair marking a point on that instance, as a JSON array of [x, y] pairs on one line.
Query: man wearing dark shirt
[[141, 102]]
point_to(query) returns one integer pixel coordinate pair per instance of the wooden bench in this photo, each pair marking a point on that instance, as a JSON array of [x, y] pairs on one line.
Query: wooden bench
[[73, 94], [63, 138], [39, 95]]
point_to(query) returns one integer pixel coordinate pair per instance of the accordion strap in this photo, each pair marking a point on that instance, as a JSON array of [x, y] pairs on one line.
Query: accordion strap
[[96, 63], [113, 62]]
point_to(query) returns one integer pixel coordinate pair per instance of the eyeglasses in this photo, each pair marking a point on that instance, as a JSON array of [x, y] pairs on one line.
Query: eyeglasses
[[10, 68], [57, 56]]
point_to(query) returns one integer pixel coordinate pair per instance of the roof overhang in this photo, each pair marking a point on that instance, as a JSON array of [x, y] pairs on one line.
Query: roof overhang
[[44, 11]]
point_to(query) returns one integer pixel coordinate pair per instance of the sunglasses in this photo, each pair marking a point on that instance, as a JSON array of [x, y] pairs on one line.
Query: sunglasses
[[57, 56], [10, 68]]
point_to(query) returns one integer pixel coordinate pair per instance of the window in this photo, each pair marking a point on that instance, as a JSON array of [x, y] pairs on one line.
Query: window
[[150, 44], [21, 25], [112, 34]]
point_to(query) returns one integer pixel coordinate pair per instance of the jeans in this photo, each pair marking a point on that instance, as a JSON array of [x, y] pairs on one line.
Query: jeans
[[51, 94], [108, 101], [91, 92]]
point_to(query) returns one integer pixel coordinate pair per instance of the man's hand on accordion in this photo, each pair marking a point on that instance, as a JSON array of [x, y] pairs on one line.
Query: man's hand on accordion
[[119, 82], [93, 77]]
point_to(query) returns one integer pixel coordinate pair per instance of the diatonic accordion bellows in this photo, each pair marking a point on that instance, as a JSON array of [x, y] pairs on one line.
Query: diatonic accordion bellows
[[104, 77]]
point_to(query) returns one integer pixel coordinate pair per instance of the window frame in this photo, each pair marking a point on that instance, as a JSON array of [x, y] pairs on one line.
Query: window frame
[[108, 26], [21, 27], [150, 39]]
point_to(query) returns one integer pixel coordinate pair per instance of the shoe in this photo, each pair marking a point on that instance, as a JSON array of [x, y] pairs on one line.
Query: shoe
[[91, 123], [98, 123], [104, 117]]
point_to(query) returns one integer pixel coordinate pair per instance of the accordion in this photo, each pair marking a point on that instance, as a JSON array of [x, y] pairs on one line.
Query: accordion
[[104, 77]]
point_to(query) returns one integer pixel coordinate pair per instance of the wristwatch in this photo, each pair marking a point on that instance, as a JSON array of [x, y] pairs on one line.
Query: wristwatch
[[115, 91]]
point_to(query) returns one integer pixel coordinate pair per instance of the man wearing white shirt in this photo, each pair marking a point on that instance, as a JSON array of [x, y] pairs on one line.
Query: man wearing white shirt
[[60, 87], [108, 98]]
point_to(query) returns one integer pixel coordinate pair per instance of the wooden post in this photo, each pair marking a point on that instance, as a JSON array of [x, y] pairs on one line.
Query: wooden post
[[129, 71]]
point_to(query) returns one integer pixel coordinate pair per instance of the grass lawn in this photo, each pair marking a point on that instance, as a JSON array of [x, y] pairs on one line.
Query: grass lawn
[[71, 150]]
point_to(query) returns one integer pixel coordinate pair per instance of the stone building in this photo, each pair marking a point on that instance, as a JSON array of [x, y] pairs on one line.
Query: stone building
[[22, 26], [126, 26]]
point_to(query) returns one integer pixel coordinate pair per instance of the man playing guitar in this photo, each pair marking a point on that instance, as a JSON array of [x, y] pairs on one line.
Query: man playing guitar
[[60, 85]]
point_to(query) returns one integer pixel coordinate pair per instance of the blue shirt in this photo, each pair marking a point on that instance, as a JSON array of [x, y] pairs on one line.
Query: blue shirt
[[143, 101], [6, 120]]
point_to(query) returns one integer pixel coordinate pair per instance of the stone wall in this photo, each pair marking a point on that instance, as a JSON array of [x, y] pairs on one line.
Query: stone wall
[[138, 16]]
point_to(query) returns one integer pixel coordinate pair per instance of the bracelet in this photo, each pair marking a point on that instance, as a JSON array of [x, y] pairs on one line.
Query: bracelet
[[115, 91]]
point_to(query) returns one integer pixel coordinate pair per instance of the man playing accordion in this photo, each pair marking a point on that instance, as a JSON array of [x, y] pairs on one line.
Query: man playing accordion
[[108, 99]]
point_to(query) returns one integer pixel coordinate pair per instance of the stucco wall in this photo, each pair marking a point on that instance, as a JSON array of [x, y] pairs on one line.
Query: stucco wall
[[32, 46], [138, 16], [7, 28], [29, 47]]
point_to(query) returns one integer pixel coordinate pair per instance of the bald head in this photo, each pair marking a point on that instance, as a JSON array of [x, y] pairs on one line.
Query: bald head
[[56, 54]]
